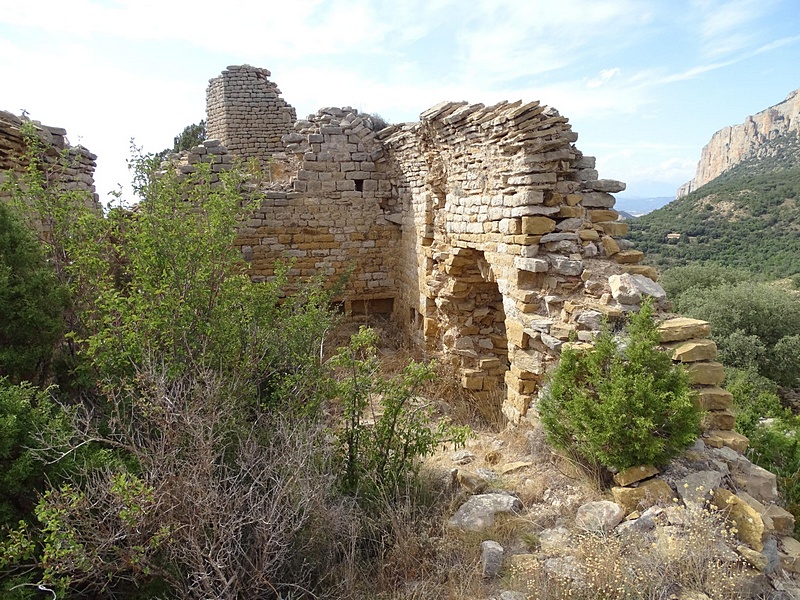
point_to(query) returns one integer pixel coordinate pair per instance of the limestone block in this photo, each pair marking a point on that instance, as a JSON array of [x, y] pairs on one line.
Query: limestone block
[[610, 246], [718, 438], [646, 494], [600, 215], [589, 235], [606, 185], [597, 200], [749, 524], [629, 289], [628, 256], [649, 272], [682, 328], [790, 558], [717, 419], [698, 487], [782, 519], [565, 266], [615, 228], [599, 516], [569, 212], [533, 265], [757, 481], [713, 398], [634, 474], [537, 225], [693, 350], [516, 335], [705, 373]]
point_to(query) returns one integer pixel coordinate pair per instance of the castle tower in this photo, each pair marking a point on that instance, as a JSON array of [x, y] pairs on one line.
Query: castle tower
[[246, 113]]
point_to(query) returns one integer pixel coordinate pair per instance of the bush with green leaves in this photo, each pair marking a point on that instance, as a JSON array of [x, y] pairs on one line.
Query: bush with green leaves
[[203, 383], [32, 303], [622, 403], [386, 429]]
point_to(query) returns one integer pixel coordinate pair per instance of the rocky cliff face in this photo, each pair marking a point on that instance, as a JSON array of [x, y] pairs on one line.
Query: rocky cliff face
[[732, 145]]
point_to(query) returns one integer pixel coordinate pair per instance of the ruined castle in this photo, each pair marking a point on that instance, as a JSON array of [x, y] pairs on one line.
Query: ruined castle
[[481, 230]]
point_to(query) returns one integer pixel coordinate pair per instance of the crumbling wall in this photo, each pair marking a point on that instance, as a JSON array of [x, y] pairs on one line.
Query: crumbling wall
[[68, 168], [246, 113], [484, 231]]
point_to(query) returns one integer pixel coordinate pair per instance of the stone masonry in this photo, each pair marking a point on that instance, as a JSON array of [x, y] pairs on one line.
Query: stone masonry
[[246, 112], [482, 230]]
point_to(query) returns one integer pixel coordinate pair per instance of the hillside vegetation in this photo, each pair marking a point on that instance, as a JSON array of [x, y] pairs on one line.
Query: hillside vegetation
[[748, 218]]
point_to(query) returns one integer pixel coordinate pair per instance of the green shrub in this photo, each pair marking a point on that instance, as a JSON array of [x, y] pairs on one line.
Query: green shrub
[[621, 403], [385, 429], [754, 397], [32, 303]]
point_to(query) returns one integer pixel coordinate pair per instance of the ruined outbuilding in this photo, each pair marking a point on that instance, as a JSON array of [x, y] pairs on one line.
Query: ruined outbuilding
[[482, 230]]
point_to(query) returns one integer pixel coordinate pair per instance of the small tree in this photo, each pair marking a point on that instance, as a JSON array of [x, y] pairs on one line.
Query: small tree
[[621, 403]]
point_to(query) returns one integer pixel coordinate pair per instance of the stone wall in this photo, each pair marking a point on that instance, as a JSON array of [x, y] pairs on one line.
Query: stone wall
[[69, 168], [246, 113], [483, 231]]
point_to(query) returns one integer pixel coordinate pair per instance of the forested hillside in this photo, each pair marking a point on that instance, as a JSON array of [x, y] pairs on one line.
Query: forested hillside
[[747, 218]]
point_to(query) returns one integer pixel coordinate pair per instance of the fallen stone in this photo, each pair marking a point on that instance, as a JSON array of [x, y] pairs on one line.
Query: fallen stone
[[480, 512], [491, 559], [462, 457], [634, 474], [630, 289], [565, 567], [554, 540], [749, 524], [782, 519], [602, 515], [696, 488], [758, 482], [647, 493], [624, 256], [733, 440], [472, 482], [513, 466], [790, 558], [756, 559]]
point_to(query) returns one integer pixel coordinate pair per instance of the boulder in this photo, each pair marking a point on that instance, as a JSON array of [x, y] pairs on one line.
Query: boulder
[[634, 474], [696, 488], [647, 493], [748, 521], [599, 516], [491, 558], [757, 481], [480, 512]]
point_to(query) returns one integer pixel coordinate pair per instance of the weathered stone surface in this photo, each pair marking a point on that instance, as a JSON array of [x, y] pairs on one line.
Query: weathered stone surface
[[717, 419], [554, 540], [698, 487], [749, 524], [630, 289], [734, 440], [782, 519], [682, 328], [646, 494], [693, 350], [472, 482], [790, 557], [634, 474], [713, 398], [491, 558], [606, 185], [599, 516], [480, 512], [537, 225], [645, 270], [757, 481], [705, 373], [624, 256]]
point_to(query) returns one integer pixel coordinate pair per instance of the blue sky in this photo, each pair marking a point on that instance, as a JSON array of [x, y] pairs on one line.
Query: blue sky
[[645, 83]]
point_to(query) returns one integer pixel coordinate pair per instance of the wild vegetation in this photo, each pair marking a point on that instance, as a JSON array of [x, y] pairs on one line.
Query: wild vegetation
[[181, 432]]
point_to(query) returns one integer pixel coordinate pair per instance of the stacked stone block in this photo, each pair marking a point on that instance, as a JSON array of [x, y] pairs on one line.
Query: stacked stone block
[[686, 340], [332, 213], [246, 113], [69, 168]]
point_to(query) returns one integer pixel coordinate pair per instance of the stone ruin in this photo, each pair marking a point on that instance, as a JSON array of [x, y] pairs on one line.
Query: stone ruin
[[71, 168], [482, 231]]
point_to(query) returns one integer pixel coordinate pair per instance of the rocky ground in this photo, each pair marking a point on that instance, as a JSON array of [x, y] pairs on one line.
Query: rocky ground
[[540, 526]]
